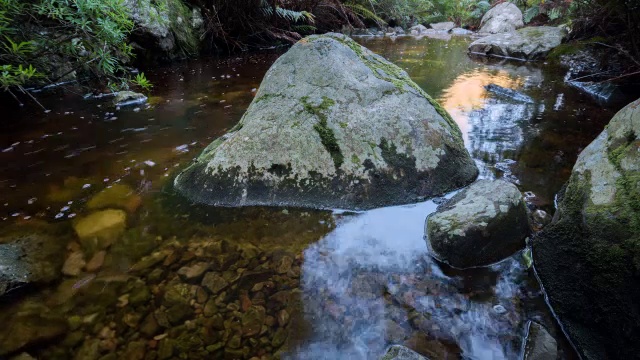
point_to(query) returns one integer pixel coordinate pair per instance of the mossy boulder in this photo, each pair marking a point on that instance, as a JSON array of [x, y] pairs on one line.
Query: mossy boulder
[[530, 43], [483, 224], [588, 258], [333, 125]]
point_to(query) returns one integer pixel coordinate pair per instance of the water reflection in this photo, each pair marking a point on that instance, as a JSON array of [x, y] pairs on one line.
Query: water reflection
[[371, 283]]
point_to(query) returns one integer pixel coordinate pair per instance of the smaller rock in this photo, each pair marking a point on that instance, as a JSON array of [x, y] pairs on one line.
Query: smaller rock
[[417, 30], [283, 318], [461, 31], [214, 282], [116, 196], [480, 225], [284, 265], [126, 98], [541, 218], [96, 261], [74, 264], [443, 26], [539, 344], [193, 272], [529, 43], [252, 321], [399, 352], [99, 229]]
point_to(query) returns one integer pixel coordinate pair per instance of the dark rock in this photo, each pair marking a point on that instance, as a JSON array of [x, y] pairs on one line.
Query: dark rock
[[482, 224], [214, 282], [539, 344], [587, 258], [29, 259], [31, 329]]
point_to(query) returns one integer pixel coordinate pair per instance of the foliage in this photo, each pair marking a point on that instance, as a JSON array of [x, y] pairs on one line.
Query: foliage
[[48, 40], [410, 12], [552, 10], [141, 81]]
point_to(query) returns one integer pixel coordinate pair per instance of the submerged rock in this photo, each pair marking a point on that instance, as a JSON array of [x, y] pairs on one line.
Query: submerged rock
[[29, 328], [461, 31], [100, 229], [483, 224], [605, 93], [502, 18], [116, 196], [539, 344], [530, 43], [29, 259], [587, 258], [351, 130], [509, 93], [126, 98], [399, 352]]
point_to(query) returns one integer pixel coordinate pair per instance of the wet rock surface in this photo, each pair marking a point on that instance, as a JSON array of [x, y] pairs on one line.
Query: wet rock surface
[[502, 18], [398, 352], [482, 224], [529, 43], [327, 153], [29, 259], [539, 344], [585, 257]]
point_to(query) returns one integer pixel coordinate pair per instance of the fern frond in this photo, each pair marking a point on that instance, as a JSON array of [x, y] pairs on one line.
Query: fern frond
[[364, 13]]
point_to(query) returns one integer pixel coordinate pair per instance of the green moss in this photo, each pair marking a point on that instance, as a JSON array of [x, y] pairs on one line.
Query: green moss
[[570, 48], [180, 22], [343, 125], [327, 136], [387, 71], [355, 159]]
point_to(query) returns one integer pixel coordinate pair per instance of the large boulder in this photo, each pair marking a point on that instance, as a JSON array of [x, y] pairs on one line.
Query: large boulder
[[502, 18], [333, 125], [588, 258], [482, 224], [529, 43]]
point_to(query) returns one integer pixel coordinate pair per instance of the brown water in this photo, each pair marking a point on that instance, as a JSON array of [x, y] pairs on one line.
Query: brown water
[[300, 284]]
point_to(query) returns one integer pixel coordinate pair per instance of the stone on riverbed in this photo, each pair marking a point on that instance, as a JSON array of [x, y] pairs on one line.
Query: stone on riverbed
[[539, 344], [333, 125], [399, 352], [530, 43], [502, 18], [100, 229], [483, 224], [29, 259], [116, 196], [588, 257], [443, 26]]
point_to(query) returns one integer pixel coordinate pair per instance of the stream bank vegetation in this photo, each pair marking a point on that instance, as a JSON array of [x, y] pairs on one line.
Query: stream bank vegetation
[[46, 42]]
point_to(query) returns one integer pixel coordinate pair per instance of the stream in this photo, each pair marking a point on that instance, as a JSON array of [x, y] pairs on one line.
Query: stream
[[279, 283]]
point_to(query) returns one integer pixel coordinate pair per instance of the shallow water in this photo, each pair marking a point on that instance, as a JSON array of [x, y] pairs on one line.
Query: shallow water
[[321, 284]]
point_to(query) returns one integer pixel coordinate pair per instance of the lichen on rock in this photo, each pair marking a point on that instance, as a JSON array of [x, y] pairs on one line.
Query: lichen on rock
[[317, 133]]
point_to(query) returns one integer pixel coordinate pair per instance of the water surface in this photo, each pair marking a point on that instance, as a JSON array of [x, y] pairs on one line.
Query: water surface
[[301, 284]]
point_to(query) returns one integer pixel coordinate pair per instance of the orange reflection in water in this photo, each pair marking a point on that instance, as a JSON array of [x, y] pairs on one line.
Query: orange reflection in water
[[467, 93]]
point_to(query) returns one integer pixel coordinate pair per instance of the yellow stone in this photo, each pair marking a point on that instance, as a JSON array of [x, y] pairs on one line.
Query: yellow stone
[[116, 196], [100, 229]]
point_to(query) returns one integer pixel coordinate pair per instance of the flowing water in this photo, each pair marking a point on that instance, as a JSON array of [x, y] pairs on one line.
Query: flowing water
[[290, 283]]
